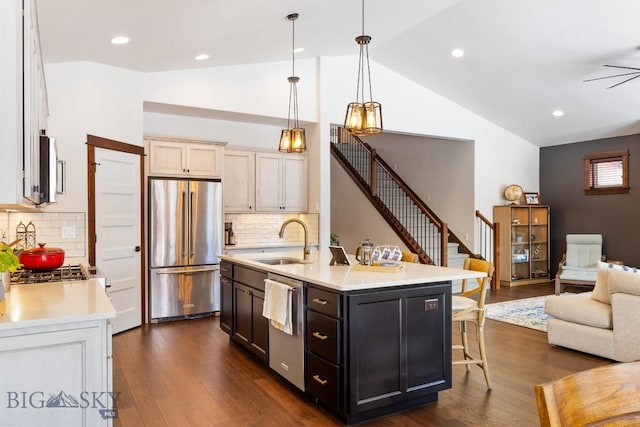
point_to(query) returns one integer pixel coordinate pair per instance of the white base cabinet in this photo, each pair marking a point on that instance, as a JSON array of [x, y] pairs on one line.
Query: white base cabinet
[[57, 375]]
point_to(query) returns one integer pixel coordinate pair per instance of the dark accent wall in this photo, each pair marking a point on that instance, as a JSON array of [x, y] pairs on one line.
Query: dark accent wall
[[615, 216]]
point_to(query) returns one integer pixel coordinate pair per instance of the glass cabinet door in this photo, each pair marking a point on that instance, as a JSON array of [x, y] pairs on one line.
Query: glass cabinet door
[[520, 243], [539, 242]]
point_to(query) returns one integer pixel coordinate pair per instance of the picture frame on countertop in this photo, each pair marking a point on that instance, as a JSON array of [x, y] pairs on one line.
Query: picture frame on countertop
[[531, 198], [338, 256]]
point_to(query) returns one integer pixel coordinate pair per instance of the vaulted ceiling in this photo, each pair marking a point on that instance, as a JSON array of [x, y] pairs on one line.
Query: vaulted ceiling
[[523, 59]]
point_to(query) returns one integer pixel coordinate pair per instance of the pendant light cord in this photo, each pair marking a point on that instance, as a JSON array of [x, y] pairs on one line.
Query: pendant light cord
[[364, 50], [362, 17]]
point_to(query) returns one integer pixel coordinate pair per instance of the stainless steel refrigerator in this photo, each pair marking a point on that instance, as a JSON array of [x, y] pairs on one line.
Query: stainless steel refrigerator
[[185, 238]]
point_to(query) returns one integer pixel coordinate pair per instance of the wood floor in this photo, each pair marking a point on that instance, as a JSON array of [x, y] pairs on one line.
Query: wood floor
[[187, 373]]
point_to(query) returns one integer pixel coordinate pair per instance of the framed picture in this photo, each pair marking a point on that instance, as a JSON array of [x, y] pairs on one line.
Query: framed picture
[[532, 198], [339, 256]]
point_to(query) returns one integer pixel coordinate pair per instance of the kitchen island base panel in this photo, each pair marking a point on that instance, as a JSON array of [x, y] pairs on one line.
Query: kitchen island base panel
[[399, 346], [391, 409], [376, 343]]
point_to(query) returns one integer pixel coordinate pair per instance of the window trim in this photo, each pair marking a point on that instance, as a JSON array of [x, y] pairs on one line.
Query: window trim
[[590, 159]]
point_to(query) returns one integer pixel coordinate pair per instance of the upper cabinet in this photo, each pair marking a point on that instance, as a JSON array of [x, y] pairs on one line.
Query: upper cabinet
[[184, 158], [239, 181], [22, 118], [281, 182], [36, 109], [264, 182]]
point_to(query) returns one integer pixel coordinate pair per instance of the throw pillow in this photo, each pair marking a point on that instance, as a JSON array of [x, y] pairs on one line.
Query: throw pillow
[[601, 288]]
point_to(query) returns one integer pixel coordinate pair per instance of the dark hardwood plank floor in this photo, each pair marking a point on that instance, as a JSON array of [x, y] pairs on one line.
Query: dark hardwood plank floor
[[187, 373]]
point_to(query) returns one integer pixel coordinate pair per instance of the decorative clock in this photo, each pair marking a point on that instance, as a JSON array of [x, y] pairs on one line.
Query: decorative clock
[[513, 193]]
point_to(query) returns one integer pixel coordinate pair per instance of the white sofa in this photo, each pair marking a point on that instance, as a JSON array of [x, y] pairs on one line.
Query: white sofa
[[605, 322]]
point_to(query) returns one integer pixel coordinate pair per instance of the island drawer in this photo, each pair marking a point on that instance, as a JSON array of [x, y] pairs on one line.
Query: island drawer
[[250, 277], [226, 269], [324, 302], [323, 336], [323, 381]]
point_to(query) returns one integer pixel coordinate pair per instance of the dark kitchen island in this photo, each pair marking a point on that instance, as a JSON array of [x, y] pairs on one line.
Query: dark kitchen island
[[375, 343]]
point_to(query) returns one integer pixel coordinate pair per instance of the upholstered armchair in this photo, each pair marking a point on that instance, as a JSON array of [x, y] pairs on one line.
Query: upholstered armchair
[[579, 265]]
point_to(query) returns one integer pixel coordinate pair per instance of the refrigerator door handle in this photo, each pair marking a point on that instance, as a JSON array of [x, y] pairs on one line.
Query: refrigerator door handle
[[191, 238], [184, 224], [199, 270]]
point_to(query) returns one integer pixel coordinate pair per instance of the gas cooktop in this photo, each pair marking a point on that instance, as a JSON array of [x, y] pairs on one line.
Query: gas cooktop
[[62, 274]]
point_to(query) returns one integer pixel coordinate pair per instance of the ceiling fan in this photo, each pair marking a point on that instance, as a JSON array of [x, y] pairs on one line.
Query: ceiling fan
[[635, 75]]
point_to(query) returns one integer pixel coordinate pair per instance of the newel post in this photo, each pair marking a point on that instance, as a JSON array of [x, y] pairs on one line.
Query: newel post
[[444, 245], [496, 256], [372, 172]]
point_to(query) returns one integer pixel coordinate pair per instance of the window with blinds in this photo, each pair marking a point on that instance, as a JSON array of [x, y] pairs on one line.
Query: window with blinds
[[606, 172]]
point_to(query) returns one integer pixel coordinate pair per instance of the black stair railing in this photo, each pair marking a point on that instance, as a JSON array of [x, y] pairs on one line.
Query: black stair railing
[[416, 225]]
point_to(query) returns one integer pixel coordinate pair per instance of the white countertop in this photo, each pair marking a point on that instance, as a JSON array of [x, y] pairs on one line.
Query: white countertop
[[346, 278], [54, 303]]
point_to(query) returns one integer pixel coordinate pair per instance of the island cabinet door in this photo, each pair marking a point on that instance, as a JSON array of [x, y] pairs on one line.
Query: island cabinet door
[[399, 346], [242, 312], [259, 325], [226, 304]]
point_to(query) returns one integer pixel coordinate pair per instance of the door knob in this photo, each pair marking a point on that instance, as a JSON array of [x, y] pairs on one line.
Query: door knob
[[137, 249]]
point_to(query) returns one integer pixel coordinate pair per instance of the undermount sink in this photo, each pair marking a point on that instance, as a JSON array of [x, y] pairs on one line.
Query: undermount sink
[[278, 261]]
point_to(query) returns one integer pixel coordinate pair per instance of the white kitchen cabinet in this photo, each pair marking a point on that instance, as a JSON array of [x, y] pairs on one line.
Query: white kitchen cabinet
[[180, 157], [239, 181], [21, 117], [281, 182], [57, 375]]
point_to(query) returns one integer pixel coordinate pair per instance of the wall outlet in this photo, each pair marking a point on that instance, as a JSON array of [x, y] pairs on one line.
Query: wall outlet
[[431, 304], [68, 232]]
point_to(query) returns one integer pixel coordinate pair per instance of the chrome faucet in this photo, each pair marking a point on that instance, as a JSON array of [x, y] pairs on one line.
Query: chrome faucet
[[306, 250]]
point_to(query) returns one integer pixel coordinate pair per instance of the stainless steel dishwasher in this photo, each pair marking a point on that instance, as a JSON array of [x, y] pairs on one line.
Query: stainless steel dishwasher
[[286, 352]]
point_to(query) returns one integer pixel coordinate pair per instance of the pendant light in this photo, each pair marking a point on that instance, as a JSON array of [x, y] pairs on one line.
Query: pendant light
[[292, 140], [364, 117]]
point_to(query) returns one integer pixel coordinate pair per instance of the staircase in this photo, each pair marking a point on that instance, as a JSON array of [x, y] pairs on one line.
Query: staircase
[[417, 226]]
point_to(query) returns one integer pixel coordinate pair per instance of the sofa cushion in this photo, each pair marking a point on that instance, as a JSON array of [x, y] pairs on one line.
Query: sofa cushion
[[625, 280], [580, 308], [627, 276]]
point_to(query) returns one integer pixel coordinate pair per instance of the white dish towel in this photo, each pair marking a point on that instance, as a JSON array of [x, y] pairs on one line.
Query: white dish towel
[[277, 305]]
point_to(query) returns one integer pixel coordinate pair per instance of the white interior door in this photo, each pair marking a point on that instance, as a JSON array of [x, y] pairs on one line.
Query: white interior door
[[118, 219]]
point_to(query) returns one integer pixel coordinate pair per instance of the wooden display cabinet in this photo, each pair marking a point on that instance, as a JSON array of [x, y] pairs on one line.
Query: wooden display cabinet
[[524, 243]]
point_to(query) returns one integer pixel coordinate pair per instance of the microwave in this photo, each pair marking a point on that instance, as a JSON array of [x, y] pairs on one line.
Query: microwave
[[44, 182], [48, 169]]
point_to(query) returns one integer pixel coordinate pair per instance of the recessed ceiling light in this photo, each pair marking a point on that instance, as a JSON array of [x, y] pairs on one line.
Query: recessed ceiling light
[[120, 40], [457, 53], [558, 113], [298, 50], [202, 57]]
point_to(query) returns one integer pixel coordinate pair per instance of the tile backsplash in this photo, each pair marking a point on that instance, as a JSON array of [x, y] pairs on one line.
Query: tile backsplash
[[67, 230], [263, 228], [64, 230]]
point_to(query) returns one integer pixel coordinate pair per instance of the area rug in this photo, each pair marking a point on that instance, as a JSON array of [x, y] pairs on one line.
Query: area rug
[[527, 312]]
